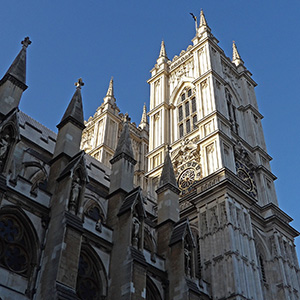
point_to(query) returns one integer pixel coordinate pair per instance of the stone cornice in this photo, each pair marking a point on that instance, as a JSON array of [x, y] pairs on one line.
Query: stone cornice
[[125, 156], [252, 108], [168, 186]]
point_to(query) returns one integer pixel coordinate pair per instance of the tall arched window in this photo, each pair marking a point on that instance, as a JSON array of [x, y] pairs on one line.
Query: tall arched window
[[187, 112], [197, 257], [231, 111], [90, 284], [262, 268], [17, 243], [152, 293]]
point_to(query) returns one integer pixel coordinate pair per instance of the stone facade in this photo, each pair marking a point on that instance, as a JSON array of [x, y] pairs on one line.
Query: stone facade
[[182, 207]]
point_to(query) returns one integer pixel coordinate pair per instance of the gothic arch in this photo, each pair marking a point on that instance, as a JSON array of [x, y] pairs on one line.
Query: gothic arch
[[184, 111], [18, 242], [179, 88], [91, 277], [35, 173], [90, 201], [152, 292], [234, 93], [261, 244], [262, 254]]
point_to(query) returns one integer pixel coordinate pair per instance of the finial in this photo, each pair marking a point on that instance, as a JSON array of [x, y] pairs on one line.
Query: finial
[[26, 42], [236, 58], [162, 52], [202, 19], [169, 148], [79, 83], [110, 90]]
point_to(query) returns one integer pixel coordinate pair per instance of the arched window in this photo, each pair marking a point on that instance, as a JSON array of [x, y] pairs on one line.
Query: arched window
[[152, 292], [231, 111], [262, 268], [187, 112], [90, 285], [17, 243], [197, 257]]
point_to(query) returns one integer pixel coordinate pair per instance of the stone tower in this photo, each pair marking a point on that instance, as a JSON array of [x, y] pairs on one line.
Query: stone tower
[[203, 105], [102, 131]]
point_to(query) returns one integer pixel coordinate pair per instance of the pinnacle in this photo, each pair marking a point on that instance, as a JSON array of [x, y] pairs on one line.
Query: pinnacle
[[124, 145], [110, 91], [18, 67], [236, 58], [202, 19], [144, 115], [167, 175], [162, 52], [74, 111]]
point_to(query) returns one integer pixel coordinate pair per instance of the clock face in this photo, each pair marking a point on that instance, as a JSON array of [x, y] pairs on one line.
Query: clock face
[[190, 173], [246, 178]]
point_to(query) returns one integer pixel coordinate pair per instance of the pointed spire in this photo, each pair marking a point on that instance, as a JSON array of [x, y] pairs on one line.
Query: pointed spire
[[144, 119], [167, 176], [236, 58], [202, 19], [167, 193], [124, 147], [18, 68], [162, 52], [74, 111], [109, 97], [110, 91]]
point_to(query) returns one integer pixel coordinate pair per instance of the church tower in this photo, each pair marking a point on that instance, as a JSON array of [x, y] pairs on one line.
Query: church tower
[[204, 106], [103, 130]]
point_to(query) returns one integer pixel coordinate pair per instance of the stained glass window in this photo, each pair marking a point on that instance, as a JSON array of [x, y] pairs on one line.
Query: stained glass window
[[88, 282], [15, 249]]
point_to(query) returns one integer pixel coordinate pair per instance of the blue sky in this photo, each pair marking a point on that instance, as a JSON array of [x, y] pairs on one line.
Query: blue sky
[[97, 39]]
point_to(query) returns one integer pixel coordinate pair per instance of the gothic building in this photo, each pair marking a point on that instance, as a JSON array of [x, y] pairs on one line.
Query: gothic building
[[182, 207]]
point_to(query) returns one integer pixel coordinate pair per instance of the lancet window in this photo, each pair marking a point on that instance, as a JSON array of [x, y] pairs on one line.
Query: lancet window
[[231, 111], [90, 285], [262, 268], [187, 112]]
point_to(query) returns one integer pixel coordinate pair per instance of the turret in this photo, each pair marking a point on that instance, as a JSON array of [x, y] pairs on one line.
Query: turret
[[68, 137], [71, 125], [13, 83], [123, 163], [167, 194]]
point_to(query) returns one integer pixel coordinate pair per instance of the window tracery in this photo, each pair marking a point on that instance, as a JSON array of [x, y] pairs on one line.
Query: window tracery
[[16, 251], [89, 284], [187, 112]]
